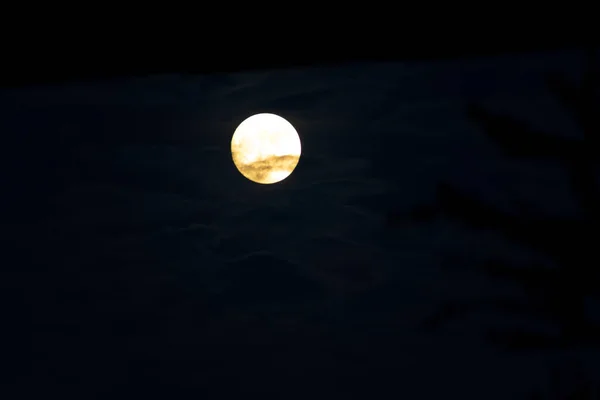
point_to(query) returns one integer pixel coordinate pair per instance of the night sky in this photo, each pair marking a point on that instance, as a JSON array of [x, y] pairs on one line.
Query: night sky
[[146, 265]]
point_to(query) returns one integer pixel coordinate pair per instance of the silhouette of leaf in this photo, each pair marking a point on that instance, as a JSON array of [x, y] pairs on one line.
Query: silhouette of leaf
[[531, 277], [523, 340], [517, 139], [552, 295], [542, 234], [582, 177], [581, 102], [569, 382], [567, 94], [395, 219], [460, 308]]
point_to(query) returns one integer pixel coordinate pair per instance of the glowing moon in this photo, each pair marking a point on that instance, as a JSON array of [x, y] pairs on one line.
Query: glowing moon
[[265, 148]]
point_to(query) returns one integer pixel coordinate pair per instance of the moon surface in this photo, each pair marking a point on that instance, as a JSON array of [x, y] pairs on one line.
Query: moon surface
[[265, 148]]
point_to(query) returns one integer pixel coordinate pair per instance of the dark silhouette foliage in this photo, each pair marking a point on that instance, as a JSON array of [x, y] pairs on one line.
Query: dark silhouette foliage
[[569, 381], [554, 294]]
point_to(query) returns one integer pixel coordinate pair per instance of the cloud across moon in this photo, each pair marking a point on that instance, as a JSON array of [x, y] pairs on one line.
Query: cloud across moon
[[265, 148]]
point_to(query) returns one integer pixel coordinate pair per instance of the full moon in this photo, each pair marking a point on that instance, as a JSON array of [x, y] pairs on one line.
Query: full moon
[[265, 148]]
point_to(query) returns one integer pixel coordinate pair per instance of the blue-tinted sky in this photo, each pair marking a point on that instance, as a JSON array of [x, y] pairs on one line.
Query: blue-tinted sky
[[151, 259]]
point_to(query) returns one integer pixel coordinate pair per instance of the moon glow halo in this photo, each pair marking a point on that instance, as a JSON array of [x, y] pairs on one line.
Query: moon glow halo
[[265, 148]]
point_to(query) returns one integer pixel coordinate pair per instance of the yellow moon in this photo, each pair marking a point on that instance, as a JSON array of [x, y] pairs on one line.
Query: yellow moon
[[265, 148]]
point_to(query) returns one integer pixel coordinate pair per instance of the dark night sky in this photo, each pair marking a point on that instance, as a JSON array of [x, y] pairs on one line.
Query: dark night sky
[[149, 265]]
